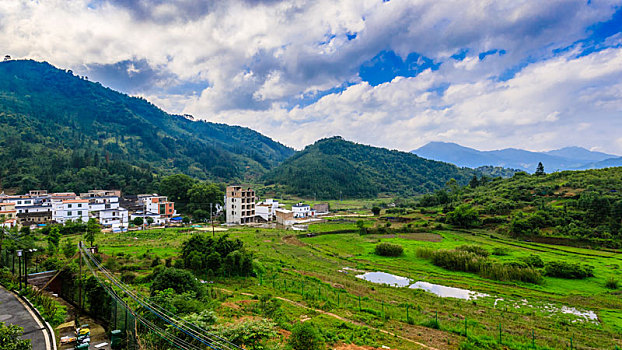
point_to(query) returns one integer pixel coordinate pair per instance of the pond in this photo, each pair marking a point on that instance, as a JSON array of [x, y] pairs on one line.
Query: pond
[[440, 290], [447, 292]]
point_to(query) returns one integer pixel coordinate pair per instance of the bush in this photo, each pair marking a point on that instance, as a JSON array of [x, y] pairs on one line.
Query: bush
[[475, 249], [533, 260], [179, 280], [424, 253], [568, 270], [128, 277], [305, 336], [463, 216], [467, 260], [389, 249], [500, 251], [611, 283]]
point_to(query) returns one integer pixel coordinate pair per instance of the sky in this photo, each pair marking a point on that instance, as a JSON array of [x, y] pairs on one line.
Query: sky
[[536, 75]]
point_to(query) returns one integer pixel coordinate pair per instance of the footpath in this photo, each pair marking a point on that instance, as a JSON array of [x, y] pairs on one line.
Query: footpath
[[14, 311]]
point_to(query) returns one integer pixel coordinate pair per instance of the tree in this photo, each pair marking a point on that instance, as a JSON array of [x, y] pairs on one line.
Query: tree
[[69, 249], [540, 169], [202, 194], [181, 281], [375, 210], [474, 182], [92, 228], [185, 220], [305, 336], [10, 338], [149, 220], [176, 187], [53, 239], [138, 221], [463, 216]]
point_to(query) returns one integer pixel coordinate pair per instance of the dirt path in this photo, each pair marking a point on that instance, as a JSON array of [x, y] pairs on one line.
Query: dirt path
[[345, 320]]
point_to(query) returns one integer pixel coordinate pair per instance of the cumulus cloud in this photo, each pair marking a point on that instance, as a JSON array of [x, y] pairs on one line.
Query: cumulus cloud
[[253, 63]]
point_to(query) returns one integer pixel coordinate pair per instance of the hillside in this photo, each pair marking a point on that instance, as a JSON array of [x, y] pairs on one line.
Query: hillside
[[333, 167], [63, 132], [583, 206], [568, 158]]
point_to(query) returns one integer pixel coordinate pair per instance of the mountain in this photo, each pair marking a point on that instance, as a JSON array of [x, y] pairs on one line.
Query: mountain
[[580, 153], [607, 163], [334, 167], [62, 132], [563, 159]]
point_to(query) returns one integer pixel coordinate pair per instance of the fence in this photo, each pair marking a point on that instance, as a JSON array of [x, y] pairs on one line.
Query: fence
[[320, 295]]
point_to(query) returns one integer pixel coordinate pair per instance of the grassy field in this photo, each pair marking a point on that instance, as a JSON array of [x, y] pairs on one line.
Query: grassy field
[[308, 273]]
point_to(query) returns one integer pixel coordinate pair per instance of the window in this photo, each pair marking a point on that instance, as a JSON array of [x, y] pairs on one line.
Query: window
[[79, 213], [79, 205], [69, 206], [68, 213]]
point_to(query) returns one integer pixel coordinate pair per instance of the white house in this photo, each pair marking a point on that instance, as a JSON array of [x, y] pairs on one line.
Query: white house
[[266, 209], [302, 211], [117, 219], [70, 209], [157, 218]]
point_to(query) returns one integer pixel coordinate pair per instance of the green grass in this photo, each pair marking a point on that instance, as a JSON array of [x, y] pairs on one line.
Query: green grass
[[314, 263]]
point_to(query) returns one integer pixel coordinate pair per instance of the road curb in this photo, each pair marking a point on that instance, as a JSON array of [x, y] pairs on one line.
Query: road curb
[[49, 331]]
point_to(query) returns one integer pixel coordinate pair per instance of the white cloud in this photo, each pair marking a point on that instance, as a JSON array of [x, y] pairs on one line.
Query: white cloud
[[255, 58]]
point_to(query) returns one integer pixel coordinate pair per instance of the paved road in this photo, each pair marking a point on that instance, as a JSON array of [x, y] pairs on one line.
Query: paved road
[[12, 311]]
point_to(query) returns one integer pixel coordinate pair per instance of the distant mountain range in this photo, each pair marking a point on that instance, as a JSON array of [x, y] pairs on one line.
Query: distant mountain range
[[568, 158]]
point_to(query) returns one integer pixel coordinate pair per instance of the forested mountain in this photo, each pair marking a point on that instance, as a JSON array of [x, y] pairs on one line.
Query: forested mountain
[[568, 158], [334, 167], [62, 132]]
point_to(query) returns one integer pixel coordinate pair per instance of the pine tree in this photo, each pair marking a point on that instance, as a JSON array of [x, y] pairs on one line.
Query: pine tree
[[540, 169]]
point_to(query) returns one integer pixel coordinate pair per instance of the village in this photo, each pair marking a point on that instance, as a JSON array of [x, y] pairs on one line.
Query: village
[[116, 212]]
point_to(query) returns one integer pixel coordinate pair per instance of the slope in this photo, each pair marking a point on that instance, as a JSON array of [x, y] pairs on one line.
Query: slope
[[60, 131], [334, 167]]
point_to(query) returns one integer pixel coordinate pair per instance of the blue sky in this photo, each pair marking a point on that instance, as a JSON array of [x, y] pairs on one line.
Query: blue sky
[[398, 74]]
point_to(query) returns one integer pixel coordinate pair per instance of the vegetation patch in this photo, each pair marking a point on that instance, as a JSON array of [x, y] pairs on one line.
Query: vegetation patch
[[388, 249]]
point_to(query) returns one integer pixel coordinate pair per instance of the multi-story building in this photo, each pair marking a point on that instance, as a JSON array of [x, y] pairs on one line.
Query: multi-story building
[[70, 209], [116, 219], [158, 205], [240, 205], [104, 206], [8, 215]]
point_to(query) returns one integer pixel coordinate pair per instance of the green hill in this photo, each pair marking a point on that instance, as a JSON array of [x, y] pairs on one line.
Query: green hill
[[333, 167], [62, 132], [568, 206]]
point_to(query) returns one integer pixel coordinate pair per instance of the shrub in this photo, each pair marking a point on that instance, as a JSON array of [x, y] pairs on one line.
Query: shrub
[[467, 261], [611, 283], [179, 280], [424, 252], [568, 270], [475, 249], [389, 249], [128, 277], [305, 336], [463, 216], [532, 260], [500, 251]]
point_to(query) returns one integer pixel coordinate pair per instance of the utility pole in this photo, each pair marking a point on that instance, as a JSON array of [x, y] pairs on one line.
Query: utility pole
[[19, 267], [211, 219], [80, 277]]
